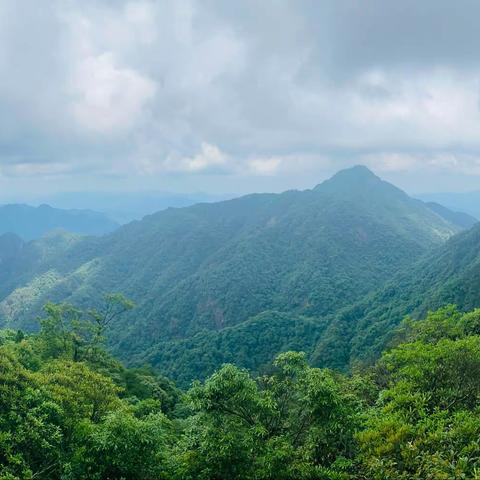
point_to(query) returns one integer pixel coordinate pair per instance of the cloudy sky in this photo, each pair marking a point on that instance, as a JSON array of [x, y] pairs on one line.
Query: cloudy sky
[[223, 96]]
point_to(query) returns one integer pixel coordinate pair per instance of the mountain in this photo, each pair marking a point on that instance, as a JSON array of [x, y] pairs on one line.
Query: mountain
[[11, 246], [463, 220], [255, 274], [448, 275], [468, 202], [123, 207], [32, 222]]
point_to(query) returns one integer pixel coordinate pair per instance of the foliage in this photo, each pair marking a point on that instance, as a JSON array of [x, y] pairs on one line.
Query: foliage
[[426, 423], [359, 333], [205, 278], [69, 414], [124, 446], [296, 423], [222, 290], [64, 401]]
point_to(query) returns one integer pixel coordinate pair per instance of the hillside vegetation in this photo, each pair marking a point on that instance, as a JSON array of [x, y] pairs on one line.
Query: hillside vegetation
[[450, 274], [70, 410], [239, 280]]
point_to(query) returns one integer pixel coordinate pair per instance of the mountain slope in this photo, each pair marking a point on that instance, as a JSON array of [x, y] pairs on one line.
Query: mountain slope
[[213, 267], [32, 222], [468, 202], [463, 220], [450, 274], [10, 250]]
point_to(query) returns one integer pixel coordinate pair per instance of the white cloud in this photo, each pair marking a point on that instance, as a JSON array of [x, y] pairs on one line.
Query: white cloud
[[209, 157], [108, 98], [34, 169], [390, 161], [434, 108], [143, 87], [421, 162], [264, 166]]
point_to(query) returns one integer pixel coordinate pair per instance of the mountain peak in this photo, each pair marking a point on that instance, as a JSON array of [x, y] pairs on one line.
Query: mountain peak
[[357, 172], [351, 179]]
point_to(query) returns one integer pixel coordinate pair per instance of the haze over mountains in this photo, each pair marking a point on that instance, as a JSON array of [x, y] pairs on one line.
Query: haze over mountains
[[458, 218], [32, 222], [468, 202], [243, 279], [123, 207]]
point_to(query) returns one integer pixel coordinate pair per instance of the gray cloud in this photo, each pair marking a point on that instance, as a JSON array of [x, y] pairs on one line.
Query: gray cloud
[[263, 95]]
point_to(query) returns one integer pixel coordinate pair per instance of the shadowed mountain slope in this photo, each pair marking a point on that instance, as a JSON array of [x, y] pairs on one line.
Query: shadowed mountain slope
[[449, 275]]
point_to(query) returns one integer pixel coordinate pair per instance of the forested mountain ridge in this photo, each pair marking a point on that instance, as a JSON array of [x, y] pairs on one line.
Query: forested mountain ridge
[[32, 222], [355, 334], [457, 218], [214, 269], [448, 275], [468, 202]]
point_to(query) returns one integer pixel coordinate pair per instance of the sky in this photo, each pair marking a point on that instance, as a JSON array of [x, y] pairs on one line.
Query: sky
[[235, 97]]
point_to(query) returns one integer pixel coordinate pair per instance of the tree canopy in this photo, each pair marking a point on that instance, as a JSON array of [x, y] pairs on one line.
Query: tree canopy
[[69, 410]]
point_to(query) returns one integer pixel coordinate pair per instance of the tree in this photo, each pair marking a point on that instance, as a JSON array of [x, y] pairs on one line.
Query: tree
[[427, 422], [123, 446], [115, 305], [68, 332], [59, 336], [294, 423], [30, 431]]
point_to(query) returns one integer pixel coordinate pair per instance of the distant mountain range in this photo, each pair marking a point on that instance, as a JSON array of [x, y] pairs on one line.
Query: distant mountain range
[[123, 207], [32, 222], [458, 218], [468, 202], [244, 279]]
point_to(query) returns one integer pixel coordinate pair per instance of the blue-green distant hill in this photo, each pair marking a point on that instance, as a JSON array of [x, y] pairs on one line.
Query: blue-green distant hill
[[123, 207], [458, 218], [32, 222], [468, 202]]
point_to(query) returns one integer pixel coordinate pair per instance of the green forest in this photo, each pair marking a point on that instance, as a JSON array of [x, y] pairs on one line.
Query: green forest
[[69, 410], [329, 271], [299, 336]]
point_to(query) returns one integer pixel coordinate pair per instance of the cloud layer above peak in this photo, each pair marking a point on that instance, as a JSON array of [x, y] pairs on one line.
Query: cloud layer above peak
[[232, 96]]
